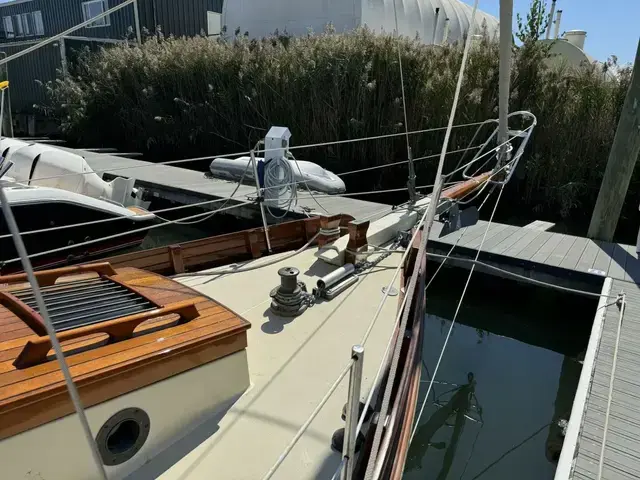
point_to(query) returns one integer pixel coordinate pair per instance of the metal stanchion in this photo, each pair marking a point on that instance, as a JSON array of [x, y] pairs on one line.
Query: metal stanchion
[[353, 411], [260, 199]]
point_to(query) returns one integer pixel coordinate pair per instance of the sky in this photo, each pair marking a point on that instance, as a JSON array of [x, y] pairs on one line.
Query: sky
[[612, 26]]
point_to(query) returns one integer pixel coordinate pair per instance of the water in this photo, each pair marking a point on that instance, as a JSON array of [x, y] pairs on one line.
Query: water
[[509, 374]]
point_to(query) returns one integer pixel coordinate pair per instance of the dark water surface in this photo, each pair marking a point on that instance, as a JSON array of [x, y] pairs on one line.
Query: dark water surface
[[508, 375]]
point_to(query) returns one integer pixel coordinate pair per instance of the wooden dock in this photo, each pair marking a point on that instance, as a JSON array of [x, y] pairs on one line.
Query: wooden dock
[[188, 186], [621, 459], [598, 267]]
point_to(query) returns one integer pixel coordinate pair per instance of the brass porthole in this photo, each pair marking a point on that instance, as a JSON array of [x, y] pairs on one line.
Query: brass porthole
[[123, 435]]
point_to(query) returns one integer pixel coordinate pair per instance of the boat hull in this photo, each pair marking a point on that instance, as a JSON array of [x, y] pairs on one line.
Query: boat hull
[[67, 239]]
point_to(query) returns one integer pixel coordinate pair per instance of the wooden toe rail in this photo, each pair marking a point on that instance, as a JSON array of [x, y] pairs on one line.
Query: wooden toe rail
[[35, 351], [49, 277]]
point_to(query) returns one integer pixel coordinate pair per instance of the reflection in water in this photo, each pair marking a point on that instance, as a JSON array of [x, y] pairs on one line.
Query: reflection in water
[[518, 355], [452, 414]]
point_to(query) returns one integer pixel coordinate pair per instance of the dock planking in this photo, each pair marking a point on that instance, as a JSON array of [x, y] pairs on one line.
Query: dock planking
[[621, 458], [534, 247], [192, 183]]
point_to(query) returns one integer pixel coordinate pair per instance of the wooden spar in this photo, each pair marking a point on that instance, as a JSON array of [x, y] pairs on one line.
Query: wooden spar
[[460, 190]]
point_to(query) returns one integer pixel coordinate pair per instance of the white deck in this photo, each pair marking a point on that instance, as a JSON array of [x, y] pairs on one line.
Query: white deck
[[292, 364]]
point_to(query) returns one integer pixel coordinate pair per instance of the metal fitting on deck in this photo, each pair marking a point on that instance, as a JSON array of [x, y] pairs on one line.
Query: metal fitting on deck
[[289, 299]]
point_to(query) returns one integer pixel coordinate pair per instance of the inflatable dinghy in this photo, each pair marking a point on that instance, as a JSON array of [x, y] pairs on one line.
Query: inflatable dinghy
[[316, 177]]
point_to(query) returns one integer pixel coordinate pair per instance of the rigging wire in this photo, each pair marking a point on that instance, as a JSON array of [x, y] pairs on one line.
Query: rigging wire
[[128, 232], [455, 316], [404, 99], [402, 162], [208, 217], [245, 153], [248, 268], [55, 344], [306, 184], [429, 216]]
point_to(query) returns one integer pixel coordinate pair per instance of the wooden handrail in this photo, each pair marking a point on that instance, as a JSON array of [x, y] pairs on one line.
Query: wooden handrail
[[35, 351], [48, 277], [24, 312]]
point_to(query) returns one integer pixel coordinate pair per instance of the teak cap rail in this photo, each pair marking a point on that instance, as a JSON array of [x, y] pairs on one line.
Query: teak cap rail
[[35, 351], [49, 277]]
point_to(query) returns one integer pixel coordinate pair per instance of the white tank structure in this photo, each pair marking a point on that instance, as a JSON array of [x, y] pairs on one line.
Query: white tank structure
[[569, 51], [41, 165], [424, 18]]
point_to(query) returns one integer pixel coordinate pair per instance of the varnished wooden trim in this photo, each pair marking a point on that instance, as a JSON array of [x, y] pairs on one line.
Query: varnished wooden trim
[[329, 223], [48, 277], [462, 189], [24, 312], [35, 351], [252, 244], [55, 403], [357, 239], [177, 262]]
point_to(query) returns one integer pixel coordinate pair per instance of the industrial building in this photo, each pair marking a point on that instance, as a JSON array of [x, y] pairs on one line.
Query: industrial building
[[26, 22]]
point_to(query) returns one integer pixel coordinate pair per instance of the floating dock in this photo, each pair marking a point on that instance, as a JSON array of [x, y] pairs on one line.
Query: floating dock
[[184, 186], [603, 268]]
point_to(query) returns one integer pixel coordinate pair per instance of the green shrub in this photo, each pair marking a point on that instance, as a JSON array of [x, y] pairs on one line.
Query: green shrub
[[185, 97]]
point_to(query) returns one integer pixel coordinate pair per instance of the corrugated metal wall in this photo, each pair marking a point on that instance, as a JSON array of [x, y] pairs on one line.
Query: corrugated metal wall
[[177, 17], [64, 14], [25, 72], [183, 18], [59, 15], [11, 9]]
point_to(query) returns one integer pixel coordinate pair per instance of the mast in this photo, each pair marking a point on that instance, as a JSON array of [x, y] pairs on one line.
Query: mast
[[506, 21]]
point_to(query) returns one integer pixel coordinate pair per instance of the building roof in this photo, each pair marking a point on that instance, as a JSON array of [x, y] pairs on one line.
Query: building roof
[[299, 17]]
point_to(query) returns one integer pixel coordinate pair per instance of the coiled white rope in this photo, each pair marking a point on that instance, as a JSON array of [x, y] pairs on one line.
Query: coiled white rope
[[280, 187]]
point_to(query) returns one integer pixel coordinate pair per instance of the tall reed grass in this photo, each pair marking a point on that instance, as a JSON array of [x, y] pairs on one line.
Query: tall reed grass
[[184, 97]]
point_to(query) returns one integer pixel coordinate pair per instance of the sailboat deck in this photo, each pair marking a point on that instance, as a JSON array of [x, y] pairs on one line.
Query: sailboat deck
[[292, 364]]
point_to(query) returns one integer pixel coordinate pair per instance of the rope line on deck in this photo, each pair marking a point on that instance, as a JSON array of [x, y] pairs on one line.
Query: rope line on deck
[[622, 302]]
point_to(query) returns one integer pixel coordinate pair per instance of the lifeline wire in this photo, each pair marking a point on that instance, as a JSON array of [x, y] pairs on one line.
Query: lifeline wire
[[623, 306], [90, 242], [455, 316], [431, 210], [238, 154], [55, 344]]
